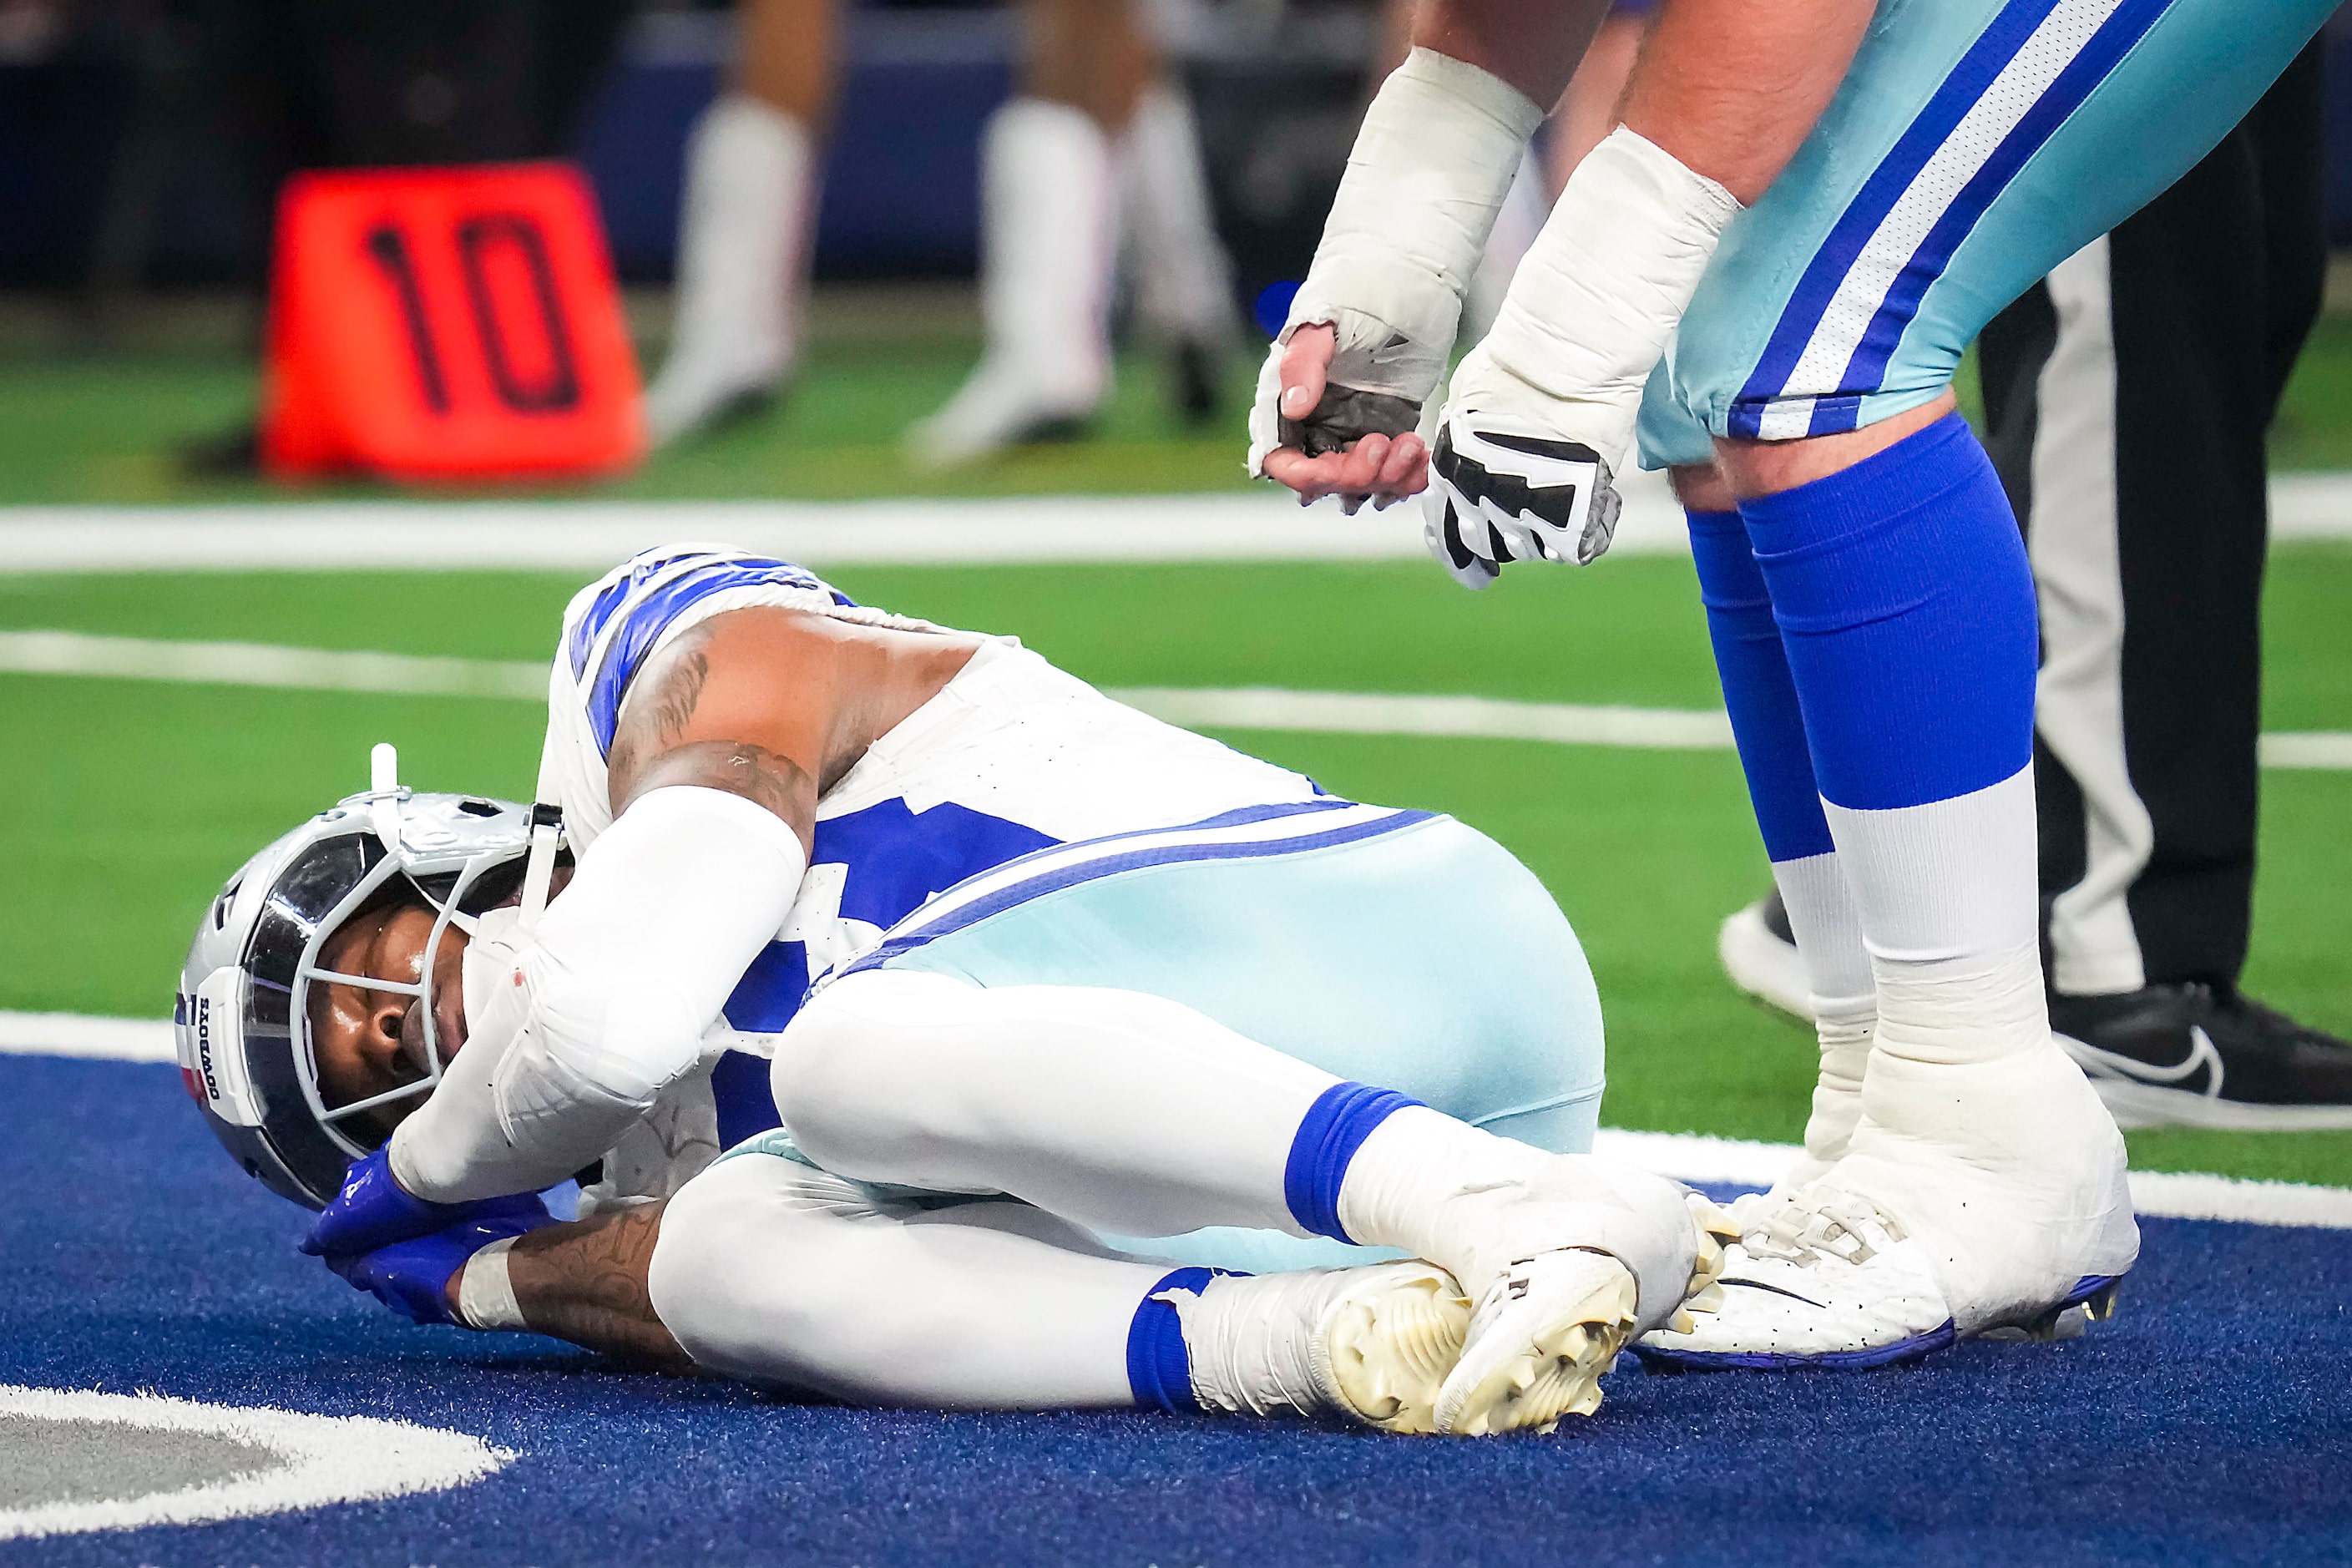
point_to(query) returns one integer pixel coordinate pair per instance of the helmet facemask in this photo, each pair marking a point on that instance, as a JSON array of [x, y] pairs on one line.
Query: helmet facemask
[[458, 855]]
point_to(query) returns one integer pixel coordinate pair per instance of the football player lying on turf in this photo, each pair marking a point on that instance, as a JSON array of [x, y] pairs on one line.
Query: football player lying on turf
[[1083, 975]]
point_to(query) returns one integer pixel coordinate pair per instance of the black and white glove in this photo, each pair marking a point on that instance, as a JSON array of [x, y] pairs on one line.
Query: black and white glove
[[1502, 488], [1539, 416]]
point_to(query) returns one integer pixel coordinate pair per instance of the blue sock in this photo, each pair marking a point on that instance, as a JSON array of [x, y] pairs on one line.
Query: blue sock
[[1758, 690], [1905, 604], [1333, 1129], [1159, 1367]]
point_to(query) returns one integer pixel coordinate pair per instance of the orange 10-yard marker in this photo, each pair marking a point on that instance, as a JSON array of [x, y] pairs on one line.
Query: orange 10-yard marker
[[446, 324]]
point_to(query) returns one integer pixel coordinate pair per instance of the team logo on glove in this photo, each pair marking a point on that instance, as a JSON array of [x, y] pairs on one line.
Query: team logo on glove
[[1498, 496]]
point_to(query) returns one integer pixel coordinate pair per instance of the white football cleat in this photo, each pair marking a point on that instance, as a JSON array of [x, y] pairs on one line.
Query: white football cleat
[[1003, 405], [1568, 1266], [1369, 1345], [1974, 1198], [1049, 205], [1539, 1345], [742, 265], [1386, 1344]]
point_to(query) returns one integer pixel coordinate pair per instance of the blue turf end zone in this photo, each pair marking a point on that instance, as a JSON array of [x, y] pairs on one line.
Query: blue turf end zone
[[2210, 1422]]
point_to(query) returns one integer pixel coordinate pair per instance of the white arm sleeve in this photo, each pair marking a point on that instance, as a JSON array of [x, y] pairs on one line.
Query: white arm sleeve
[[1431, 166], [609, 1001]]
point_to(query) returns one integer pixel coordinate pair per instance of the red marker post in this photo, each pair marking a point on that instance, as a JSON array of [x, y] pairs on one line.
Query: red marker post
[[446, 325]]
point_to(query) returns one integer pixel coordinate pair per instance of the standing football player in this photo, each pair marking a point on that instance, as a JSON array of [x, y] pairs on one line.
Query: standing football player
[[1809, 209]]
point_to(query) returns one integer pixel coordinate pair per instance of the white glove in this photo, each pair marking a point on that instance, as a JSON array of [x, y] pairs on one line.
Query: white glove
[[1431, 166], [1540, 415]]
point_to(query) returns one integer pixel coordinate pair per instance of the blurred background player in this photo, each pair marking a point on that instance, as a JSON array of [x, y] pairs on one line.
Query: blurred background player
[[1096, 138], [2127, 400]]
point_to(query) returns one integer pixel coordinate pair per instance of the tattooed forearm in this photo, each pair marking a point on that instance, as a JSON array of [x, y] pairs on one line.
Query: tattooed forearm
[[586, 1282]]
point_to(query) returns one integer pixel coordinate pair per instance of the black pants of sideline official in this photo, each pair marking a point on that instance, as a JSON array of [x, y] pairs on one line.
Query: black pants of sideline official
[[2128, 399]]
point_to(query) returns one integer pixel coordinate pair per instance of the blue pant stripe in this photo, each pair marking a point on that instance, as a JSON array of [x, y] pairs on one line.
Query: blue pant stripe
[[1334, 1128], [2075, 83], [904, 941], [1984, 61]]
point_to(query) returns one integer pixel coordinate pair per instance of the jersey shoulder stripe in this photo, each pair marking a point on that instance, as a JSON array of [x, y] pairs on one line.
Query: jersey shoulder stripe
[[620, 624]]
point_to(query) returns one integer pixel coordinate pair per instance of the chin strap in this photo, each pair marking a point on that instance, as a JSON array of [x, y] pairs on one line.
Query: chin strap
[[546, 837]]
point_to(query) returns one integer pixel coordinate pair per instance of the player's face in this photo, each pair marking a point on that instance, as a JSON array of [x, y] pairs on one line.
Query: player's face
[[368, 1042]]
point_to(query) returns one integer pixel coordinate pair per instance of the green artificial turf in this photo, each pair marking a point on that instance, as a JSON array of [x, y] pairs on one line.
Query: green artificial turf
[[111, 427], [114, 428], [124, 804]]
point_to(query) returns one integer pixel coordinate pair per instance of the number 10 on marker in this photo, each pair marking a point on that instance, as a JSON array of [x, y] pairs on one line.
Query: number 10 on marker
[[446, 324]]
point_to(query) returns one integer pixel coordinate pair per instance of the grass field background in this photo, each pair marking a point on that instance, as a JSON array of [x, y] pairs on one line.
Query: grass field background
[[110, 427], [124, 804]]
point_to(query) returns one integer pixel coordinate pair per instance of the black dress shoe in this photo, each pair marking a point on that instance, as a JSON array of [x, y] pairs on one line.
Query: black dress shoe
[[2201, 1056]]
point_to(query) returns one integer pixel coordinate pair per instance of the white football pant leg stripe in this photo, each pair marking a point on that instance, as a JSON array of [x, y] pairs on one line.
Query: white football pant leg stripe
[[2078, 574], [1860, 294]]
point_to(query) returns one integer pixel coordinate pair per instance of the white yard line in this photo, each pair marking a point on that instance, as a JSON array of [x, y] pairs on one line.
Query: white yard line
[[1488, 718], [1728, 1161], [572, 536], [263, 664], [2174, 1194], [1195, 707], [576, 536], [319, 1460]]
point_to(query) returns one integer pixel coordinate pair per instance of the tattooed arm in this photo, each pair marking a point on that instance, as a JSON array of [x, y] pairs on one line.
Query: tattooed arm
[[585, 1282], [773, 705]]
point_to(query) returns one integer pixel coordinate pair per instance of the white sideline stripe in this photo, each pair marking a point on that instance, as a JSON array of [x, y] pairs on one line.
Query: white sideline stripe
[[570, 536], [2168, 1195], [83, 1035], [1194, 707], [1486, 718], [445, 536], [327, 1459]]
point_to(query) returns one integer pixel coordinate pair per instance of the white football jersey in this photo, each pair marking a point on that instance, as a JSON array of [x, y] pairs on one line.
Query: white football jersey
[[1011, 756]]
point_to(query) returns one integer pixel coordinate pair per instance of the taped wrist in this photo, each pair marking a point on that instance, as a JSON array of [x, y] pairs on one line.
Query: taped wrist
[[486, 1298], [1431, 166], [609, 1001], [1598, 297]]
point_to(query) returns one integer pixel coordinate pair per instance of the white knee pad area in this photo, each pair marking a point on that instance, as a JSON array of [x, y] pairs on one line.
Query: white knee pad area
[[1116, 1110]]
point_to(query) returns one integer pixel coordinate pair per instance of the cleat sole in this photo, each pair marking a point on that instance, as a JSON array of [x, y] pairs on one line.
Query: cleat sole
[[1386, 1353], [1537, 1365]]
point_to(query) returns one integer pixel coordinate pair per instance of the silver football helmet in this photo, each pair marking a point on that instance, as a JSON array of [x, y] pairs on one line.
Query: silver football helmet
[[242, 1015]]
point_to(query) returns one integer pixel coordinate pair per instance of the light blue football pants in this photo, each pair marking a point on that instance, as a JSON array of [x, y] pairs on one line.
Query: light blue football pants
[[1974, 145], [1417, 955]]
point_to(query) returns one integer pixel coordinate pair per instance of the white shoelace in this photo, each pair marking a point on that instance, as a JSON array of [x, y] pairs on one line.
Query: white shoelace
[[1820, 1221]]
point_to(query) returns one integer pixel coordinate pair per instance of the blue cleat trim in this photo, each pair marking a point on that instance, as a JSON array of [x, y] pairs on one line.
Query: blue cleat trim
[[1778, 1361], [2086, 1290]]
